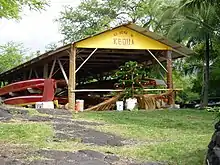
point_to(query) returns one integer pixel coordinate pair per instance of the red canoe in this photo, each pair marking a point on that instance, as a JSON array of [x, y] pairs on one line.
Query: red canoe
[[23, 100], [30, 100], [22, 85]]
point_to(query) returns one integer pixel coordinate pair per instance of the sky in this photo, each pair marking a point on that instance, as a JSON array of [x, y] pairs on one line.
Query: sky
[[36, 29]]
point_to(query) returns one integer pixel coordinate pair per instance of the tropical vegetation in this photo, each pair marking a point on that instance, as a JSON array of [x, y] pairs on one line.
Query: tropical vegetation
[[194, 23]]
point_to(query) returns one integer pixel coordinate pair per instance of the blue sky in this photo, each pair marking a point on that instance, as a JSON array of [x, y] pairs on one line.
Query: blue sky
[[36, 29]]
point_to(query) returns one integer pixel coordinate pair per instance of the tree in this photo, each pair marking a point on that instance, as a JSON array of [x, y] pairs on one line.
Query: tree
[[195, 22], [131, 78], [51, 46], [11, 55], [93, 16], [11, 9]]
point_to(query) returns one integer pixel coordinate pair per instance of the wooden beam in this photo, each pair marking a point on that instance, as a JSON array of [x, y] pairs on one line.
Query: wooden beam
[[45, 72], [72, 78], [30, 73], [52, 68], [171, 100], [157, 60], [119, 90], [36, 74], [58, 69], [86, 60], [63, 71]]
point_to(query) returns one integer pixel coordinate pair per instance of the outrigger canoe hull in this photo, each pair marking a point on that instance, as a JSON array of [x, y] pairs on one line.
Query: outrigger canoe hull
[[22, 85], [23, 100], [31, 100]]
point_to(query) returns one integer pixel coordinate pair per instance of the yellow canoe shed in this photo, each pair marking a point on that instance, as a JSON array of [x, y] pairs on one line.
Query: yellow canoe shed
[[98, 55]]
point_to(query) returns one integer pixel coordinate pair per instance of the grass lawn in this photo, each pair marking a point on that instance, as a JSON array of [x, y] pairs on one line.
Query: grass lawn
[[33, 134], [175, 136]]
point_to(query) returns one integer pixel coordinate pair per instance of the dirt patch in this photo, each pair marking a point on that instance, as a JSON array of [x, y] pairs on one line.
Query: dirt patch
[[83, 157], [5, 115], [39, 118], [87, 135], [55, 112]]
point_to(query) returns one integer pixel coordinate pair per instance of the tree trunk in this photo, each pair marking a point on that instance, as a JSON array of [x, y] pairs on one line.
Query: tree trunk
[[205, 87]]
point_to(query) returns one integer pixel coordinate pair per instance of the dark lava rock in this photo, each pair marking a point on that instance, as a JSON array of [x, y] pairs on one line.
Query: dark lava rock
[[53, 162], [39, 118], [93, 162], [55, 112], [43, 162], [87, 135], [5, 115], [147, 163], [88, 123], [2, 161], [111, 158], [93, 154], [13, 162], [64, 155]]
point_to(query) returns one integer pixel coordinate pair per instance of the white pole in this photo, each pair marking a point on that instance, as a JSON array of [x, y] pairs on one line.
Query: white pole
[[157, 60], [85, 60]]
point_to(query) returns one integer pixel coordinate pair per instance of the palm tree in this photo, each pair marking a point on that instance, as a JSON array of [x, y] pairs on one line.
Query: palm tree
[[194, 22]]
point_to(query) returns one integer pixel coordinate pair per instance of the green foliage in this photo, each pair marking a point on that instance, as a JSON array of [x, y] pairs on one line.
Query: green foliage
[[12, 54], [195, 23], [50, 47], [186, 83], [93, 16], [90, 17], [131, 77], [11, 9]]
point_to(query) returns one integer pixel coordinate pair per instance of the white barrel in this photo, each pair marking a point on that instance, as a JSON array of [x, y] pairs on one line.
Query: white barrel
[[79, 105], [131, 103], [119, 105]]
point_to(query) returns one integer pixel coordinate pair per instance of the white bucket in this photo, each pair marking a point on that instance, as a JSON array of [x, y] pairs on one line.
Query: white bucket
[[79, 105], [131, 103], [119, 105]]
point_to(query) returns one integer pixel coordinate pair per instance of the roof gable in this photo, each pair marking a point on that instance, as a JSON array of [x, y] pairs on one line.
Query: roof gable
[[121, 38]]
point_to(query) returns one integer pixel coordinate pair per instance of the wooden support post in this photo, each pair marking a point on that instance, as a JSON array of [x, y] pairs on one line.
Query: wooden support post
[[45, 73], [72, 78], [169, 77]]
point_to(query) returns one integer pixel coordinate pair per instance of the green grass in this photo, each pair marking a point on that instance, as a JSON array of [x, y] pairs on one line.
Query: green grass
[[178, 137], [175, 136], [34, 134]]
